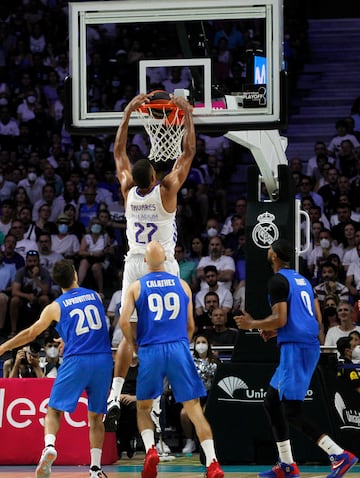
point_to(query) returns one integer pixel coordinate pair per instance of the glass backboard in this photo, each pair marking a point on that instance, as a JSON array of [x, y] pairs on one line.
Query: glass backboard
[[228, 55]]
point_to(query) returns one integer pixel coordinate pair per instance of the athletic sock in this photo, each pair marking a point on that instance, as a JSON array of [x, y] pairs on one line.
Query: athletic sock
[[95, 454], [285, 453], [148, 438], [329, 446], [209, 451], [116, 388], [49, 440]]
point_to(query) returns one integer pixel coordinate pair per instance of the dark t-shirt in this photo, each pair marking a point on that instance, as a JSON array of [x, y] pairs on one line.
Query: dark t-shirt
[[27, 283], [278, 289], [228, 337]]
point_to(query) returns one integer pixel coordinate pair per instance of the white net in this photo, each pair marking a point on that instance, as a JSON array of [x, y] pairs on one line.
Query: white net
[[165, 133]]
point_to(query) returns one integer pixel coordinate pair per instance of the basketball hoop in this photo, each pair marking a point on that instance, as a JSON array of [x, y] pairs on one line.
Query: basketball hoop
[[164, 123]]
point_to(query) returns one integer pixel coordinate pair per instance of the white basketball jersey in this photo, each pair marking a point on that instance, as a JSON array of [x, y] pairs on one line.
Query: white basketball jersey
[[148, 221]]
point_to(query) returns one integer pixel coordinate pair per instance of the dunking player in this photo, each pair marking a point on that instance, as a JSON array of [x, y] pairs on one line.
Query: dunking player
[[150, 209], [87, 362], [295, 319], [164, 328]]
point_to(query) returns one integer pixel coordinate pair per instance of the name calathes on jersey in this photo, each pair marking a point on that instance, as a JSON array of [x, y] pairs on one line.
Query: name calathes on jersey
[[160, 283]]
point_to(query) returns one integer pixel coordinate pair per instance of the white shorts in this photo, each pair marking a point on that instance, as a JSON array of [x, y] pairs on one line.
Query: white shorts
[[135, 267]]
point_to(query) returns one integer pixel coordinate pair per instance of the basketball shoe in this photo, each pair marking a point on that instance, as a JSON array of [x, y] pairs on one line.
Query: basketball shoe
[[150, 464], [48, 456], [342, 463], [112, 416], [281, 470], [96, 472], [214, 470]]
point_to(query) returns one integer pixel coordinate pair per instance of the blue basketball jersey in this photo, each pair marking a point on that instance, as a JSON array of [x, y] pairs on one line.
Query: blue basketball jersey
[[162, 309], [82, 324], [301, 325]]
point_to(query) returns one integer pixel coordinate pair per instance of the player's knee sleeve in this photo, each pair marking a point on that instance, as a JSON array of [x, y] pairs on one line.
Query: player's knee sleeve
[[293, 410], [274, 410], [271, 401]]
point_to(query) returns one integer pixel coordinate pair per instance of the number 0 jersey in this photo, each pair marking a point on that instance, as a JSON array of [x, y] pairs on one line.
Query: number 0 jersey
[[82, 324], [162, 309], [301, 326], [147, 220]]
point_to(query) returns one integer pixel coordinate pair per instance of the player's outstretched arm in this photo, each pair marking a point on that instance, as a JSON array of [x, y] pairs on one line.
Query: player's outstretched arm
[[190, 313], [176, 178], [122, 162], [127, 310], [47, 316]]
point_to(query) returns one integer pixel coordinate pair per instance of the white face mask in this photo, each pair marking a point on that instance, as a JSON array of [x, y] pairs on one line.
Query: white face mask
[[324, 243], [84, 164], [52, 352], [356, 354], [212, 232], [31, 99], [32, 176], [201, 348]]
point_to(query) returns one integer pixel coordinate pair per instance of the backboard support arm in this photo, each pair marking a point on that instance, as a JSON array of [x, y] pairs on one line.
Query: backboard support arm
[[268, 149]]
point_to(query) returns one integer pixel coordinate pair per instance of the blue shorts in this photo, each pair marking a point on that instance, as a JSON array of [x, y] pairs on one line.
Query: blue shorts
[[174, 361], [293, 375], [89, 372]]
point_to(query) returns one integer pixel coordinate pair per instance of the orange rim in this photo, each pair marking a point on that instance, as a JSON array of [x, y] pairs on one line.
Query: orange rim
[[173, 116], [160, 106]]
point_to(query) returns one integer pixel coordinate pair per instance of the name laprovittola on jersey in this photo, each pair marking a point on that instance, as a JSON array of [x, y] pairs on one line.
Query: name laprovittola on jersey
[[162, 309], [147, 220], [291, 287], [82, 324]]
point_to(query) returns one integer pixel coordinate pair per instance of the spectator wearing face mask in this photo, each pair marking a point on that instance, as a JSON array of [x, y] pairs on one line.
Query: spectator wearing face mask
[[26, 110], [52, 357], [93, 248], [64, 243], [329, 314], [320, 254], [33, 184], [212, 228], [206, 363]]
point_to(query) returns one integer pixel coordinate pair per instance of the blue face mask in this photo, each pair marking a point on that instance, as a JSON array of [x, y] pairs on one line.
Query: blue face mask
[[63, 228], [96, 228]]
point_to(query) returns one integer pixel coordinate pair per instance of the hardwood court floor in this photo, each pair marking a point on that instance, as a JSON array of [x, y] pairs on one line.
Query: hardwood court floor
[[181, 467]]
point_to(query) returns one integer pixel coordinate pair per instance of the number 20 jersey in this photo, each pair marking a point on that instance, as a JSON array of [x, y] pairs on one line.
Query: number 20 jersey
[[162, 309], [82, 324], [147, 220]]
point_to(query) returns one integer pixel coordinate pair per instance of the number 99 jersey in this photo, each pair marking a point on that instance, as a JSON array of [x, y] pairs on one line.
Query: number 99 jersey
[[162, 309]]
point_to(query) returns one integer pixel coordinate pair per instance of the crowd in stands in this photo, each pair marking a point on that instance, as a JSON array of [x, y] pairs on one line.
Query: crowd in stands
[[59, 195]]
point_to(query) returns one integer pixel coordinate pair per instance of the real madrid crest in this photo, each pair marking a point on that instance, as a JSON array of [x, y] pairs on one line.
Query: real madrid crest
[[265, 232]]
